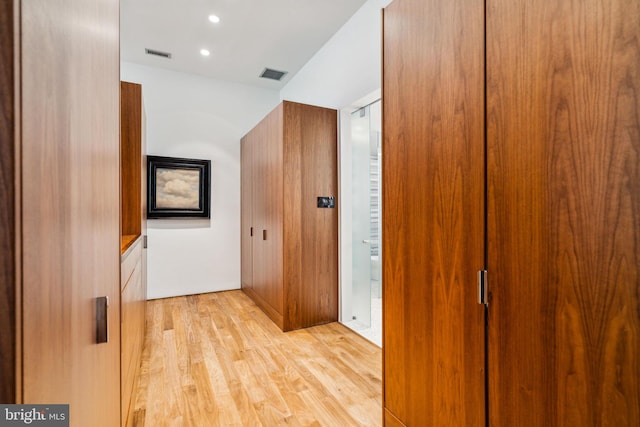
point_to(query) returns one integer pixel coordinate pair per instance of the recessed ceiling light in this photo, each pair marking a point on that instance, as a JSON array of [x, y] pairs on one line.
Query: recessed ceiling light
[[204, 52], [214, 19]]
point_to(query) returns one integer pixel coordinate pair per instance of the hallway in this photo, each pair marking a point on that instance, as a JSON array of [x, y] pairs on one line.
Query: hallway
[[216, 359]]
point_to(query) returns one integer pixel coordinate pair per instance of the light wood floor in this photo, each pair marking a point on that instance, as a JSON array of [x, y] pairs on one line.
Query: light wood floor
[[217, 360]]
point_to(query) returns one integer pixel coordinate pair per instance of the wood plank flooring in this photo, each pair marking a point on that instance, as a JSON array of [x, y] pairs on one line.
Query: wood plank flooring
[[217, 360]]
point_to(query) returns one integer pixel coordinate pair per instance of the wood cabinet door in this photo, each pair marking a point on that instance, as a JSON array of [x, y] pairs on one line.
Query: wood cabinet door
[[433, 210], [246, 211], [310, 236], [563, 109], [266, 152], [273, 212], [258, 200], [70, 206]]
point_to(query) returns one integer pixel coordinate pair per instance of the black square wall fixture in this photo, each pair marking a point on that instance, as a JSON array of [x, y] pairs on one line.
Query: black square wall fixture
[[326, 202]]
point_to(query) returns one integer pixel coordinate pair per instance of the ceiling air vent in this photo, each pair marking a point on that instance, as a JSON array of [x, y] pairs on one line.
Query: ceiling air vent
[[268, 73], [157, 53]]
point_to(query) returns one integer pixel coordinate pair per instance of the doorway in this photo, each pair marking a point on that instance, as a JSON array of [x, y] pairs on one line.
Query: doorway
[[364, 315]]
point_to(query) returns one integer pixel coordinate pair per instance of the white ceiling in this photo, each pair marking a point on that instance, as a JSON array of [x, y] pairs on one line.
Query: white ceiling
[[251, 35]]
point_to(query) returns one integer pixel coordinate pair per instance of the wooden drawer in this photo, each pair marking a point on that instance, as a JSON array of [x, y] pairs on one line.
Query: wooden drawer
[[132, 319]]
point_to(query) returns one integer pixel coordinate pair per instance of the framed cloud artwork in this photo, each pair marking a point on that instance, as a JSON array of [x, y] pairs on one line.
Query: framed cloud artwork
[[178, 188]]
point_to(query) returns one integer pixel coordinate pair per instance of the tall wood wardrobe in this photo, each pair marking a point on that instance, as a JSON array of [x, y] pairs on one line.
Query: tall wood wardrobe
[[289, 242], [60, 216], [512, 145]]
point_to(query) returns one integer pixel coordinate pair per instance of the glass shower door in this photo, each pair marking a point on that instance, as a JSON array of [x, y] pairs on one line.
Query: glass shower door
[[366, 284], [360, 222]]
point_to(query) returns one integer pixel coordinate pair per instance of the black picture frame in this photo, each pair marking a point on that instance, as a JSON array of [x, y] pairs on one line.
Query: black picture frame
[[173, 184]]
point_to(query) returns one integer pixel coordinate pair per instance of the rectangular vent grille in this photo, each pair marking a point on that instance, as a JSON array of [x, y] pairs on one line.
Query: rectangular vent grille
[[157, 53], [269, 73]]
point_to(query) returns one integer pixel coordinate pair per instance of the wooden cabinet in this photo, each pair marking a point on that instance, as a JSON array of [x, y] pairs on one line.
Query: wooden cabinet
[[563, 149], [133, 164], [132, 309], [289, 245], [433, 220], [263, 215], [532, 172], [133, 272], [59, 192]]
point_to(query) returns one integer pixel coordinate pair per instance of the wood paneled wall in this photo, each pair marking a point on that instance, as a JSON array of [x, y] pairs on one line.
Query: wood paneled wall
[[131, 160], [70, 85], [563, 83], [310, 233], [433, 212], [8, 274]]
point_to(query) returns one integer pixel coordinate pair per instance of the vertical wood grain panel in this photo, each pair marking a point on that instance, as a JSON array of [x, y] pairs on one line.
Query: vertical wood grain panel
[[293, 243], [311, 234], [564, 212], [433, 211], [8, 274], [132, 309], [71, 203], [273, 209], [131, 157], [319, 164], [246, 210], [265, 146]]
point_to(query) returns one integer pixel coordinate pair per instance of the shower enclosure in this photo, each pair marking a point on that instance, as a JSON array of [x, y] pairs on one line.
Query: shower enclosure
[[366, 285]]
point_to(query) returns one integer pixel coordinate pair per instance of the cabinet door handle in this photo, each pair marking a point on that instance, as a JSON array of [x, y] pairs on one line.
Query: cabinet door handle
[[102, 319], [251, 232], [264, 234]]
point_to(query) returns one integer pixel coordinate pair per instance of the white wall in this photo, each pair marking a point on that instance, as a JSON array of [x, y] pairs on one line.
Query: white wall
[[195, 117], [347, 68]]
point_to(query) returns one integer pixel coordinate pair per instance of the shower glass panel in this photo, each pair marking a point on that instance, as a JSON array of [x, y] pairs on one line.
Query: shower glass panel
[[366, 225]]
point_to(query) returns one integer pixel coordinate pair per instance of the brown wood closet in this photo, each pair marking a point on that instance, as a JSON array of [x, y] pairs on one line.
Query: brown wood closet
[[290, 245], [511, 144], [63, 245], [60, 216]]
